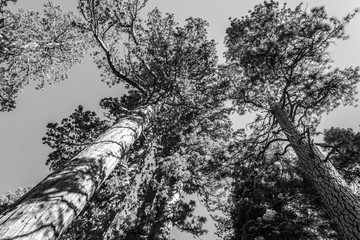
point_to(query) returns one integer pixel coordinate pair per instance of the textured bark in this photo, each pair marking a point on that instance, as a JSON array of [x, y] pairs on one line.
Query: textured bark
[[50, 206], [161, 229], [341, 201]]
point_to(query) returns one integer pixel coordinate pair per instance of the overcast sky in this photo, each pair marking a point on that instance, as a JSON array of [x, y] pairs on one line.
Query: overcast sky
[[24, 155]]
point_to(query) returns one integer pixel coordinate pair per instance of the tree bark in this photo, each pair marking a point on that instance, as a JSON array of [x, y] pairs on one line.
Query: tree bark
[[50, 206], [161, 229], [341, 201]]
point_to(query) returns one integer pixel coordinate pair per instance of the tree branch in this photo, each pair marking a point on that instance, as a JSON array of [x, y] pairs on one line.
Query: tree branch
[[113, 68]]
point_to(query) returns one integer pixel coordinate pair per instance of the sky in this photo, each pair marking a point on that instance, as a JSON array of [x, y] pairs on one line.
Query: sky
[[22, 151]]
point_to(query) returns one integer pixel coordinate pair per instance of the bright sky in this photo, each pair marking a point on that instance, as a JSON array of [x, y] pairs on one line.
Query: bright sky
[[24, 155]]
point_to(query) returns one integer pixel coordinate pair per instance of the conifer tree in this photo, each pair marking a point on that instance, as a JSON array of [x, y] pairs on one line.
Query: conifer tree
[[165, 65], [158, 205], [279, 61]]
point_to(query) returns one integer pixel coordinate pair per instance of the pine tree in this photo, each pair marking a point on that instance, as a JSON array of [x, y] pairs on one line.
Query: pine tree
[[158, 205], [279, 62], [165, 64]]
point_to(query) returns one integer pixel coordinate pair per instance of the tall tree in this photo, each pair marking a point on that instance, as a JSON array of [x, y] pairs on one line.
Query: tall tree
[[166, 64], [102, 216], [71, 136], [280, 63], [160, 206], [52, 204]]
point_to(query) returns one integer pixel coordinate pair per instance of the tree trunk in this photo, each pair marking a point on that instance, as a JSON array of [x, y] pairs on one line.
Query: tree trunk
[[341, 202], [50, 206], [161, 229], [139, 232]]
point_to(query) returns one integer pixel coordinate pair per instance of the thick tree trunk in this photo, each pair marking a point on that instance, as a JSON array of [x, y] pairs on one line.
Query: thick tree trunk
[[341, 201], [49, 208]]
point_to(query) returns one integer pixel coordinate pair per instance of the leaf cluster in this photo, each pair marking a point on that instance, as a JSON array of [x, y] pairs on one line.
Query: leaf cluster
[[72, 135], [343, 146], [36, 48]]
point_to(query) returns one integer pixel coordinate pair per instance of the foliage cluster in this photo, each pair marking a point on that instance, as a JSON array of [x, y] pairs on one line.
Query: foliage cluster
[[36, 48]]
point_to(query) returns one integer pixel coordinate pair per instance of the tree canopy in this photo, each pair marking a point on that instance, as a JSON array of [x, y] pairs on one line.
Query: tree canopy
[[282, 55], [279, 62]]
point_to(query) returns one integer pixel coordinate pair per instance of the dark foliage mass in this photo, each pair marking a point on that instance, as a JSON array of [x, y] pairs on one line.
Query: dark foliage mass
[[272, 200], [344, 146]]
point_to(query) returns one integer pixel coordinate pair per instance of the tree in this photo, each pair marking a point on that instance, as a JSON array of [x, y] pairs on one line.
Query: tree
[[36, 48], [271, 198], [67, 139], [52, 204], [70, 137], [157, 205], [279, 61], [165, 64]]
